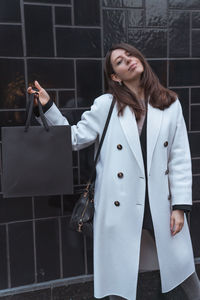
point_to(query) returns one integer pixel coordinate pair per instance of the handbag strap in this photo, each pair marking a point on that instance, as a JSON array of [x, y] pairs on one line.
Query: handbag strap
[[30, 112], [92, 177]]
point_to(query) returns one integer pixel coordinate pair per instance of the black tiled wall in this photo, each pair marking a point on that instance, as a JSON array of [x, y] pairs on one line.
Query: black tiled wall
[[61, 43]]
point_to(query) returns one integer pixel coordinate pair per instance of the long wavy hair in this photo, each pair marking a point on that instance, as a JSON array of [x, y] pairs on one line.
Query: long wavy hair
[[159, 96]]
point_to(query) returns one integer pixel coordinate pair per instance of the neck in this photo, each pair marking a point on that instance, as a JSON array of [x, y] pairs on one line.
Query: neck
[[135, 88]]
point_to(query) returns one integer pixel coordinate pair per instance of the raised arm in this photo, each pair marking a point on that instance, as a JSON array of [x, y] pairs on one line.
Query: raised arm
[[92, 122]]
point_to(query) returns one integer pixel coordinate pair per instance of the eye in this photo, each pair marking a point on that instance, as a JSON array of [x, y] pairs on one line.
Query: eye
[[119, 62]]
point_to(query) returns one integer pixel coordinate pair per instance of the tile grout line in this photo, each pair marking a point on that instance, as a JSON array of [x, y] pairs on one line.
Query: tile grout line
[[24, 46], [102, 45], [60, 247], [8, 256], [190, 34], [54, 31], [34, 239], [168, 46]]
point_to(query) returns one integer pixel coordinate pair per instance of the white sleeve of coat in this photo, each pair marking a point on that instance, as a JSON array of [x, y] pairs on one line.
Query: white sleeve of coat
[[180, 170], [87, 130]]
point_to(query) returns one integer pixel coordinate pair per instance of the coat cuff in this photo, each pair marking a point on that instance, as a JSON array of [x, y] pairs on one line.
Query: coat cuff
[[44, 108], [186, 207]]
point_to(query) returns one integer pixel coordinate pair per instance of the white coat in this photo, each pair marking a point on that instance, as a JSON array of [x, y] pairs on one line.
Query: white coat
[[117, 229]]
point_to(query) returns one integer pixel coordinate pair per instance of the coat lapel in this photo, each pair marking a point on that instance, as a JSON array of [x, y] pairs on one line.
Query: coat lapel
[[129, 126], [154, 120]]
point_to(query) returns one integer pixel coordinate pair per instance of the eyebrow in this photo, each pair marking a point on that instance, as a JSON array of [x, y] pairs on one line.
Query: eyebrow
[[120, 56], [117, 57]]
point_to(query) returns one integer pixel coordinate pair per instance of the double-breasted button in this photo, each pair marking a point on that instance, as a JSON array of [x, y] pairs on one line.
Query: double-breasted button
[[120, 175], [119, 147], [166, 172], [169, 197], [117, 203], [166, 144]]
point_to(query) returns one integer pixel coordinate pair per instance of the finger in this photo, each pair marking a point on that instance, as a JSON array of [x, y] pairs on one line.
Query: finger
[[172, 221], [30, 90], [178, 227], [37, 85]]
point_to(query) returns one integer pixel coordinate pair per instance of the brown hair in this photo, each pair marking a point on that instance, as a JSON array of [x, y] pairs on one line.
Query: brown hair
[[160, 97]]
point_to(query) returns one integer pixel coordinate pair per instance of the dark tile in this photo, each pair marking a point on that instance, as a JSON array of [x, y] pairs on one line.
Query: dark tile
[[194, 227], [69, 202], [51, 1], [75, 176], [183, 95], [196, 43], [195, 95], [114, 24], [184, 72], [12, 84], [21, 253], [88, 86], [10, 11], [73, 116], [194, 138], [135, 17], [196, 19], [12, 118], [196, 166], [15, 209], [151, 42], [86, 163], [149, 286], [3, 258], [80, 291], [156, 13], [195, 188], [81, 15], [63, 15], [52, 73], [160, 69], [131, 3], [75, 158], [72, 251], [179, 33], [10, 33], [112, 3], [89, 246], [39, 44], [67, 99], [47, 206], [42, 294], [195, 120], [47, 250], [78, 42], [184, 4]]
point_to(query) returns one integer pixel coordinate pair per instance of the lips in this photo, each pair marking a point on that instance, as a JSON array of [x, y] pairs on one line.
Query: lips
[[132, 67]]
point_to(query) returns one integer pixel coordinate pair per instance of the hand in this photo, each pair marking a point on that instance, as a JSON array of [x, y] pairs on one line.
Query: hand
[[42, 94], [176, 221]]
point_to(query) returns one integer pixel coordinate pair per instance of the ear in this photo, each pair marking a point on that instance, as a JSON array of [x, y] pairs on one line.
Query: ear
[[115, 78]]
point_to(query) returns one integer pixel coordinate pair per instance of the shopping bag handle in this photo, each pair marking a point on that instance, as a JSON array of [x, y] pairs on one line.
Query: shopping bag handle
[[30, 111]]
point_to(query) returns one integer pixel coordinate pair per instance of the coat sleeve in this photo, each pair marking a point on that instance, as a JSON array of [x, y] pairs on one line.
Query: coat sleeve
[[88, 129], [179, 164]]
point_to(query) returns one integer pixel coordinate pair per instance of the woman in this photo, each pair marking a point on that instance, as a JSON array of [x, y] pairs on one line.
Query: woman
[[143, 181]]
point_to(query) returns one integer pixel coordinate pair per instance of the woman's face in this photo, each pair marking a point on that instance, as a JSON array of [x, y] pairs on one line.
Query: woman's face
[[126, 66]]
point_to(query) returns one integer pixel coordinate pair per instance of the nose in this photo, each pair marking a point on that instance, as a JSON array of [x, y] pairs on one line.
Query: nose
[[128, 60]]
